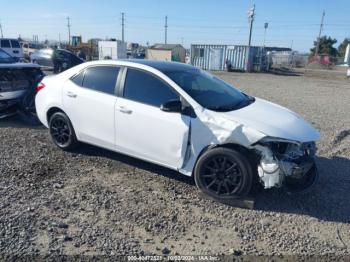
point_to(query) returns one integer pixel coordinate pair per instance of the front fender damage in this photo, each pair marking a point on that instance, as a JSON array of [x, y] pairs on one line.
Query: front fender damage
[[279, 162]]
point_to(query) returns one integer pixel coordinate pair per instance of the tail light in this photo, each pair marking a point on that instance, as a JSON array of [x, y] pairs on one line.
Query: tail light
[[40, 86]]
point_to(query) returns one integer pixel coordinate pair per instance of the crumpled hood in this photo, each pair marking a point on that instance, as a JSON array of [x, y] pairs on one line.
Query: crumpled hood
[[274, 121], [259, 119]]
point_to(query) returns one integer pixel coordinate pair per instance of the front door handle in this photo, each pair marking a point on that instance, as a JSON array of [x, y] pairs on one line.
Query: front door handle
[[125, 110], [71, 94]]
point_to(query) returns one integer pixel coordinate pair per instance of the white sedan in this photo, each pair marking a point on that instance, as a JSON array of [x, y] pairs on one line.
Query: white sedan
[[183, 118]]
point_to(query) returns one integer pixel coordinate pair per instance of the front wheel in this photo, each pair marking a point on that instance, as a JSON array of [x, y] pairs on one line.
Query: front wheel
[[223, 174], [62, 132]]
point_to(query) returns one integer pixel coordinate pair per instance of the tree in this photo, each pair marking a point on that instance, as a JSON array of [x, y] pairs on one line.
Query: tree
[[325, 46], [342, 47]]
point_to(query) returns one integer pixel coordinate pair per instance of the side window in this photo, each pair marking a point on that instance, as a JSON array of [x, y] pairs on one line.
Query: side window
[[78, 79], [101, 78], [145, 88], [5, 43], [15, 44]]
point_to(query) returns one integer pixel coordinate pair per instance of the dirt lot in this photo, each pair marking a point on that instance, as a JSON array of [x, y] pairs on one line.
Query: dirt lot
[[98, 202]]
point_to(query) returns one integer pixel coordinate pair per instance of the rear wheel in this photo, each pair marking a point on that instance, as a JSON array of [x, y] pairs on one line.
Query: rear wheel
[[223, 174], [62, 132]]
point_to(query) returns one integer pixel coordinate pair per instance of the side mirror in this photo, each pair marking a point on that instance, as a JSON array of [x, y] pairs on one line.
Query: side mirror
[[174, 106]]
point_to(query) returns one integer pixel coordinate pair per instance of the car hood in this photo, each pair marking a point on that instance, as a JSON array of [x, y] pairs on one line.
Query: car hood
[[274, 121]]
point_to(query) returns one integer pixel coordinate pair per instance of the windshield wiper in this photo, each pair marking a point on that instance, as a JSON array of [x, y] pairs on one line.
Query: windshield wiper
[[222, 108]]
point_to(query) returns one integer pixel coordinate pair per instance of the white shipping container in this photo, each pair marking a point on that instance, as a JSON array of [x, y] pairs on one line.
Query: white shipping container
[[112, 50]]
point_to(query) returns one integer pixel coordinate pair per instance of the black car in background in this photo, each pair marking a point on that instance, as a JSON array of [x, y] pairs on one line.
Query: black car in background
[[64, 59], [18, 82]]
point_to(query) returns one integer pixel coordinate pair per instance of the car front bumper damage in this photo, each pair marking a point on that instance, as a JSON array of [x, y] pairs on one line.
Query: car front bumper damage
[[288, 164]]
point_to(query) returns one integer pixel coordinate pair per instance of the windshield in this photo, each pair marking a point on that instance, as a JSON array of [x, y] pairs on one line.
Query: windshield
[[5, 57], [210, 91]]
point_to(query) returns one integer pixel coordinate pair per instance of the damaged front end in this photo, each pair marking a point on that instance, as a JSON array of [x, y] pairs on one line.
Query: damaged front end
[[286, 163]]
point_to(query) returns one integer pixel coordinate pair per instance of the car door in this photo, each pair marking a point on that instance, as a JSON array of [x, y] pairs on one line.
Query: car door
[[142, 129], [89, 100]]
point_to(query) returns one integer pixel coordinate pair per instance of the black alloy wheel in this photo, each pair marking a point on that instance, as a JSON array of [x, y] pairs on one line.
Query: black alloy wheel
[[62, 132], [223, 173]]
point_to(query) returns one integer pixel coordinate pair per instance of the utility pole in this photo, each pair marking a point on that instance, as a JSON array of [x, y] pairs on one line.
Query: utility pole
[[2, 34], [251, 14], [166, 29], [123, 26], [319, 34], [68, 25], [266, 25]]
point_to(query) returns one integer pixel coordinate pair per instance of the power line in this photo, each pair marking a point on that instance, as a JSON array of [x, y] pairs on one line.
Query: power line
[[68, 25], [319, 34], [123, 26], [166, 29]]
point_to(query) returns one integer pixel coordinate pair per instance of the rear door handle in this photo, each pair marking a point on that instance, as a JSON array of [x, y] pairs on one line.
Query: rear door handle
[[125, 110], [71, 94]]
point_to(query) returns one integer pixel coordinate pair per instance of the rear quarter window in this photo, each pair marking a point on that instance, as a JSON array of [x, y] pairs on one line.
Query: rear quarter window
[[78, 79]]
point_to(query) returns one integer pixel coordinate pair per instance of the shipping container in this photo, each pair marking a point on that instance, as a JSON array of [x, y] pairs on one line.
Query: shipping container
[[112, 50], [216, 57]]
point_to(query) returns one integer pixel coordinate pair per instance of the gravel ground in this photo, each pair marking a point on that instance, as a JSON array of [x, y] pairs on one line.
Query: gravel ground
[[97, 202]]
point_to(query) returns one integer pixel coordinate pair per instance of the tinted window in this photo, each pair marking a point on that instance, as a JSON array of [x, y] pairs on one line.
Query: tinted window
[[5, 43], [15, 44], [101, 78], [145, 88], [78, 79]]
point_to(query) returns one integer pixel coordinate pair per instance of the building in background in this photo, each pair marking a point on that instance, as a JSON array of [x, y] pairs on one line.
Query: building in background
[[112, 50], [239, 57], [166, 52]]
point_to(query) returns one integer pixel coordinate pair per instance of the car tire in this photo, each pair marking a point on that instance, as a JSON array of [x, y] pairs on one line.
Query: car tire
[[223, 174], [62, 131]]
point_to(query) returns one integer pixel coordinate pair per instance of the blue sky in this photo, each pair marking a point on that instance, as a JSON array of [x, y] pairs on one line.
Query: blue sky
[[196, 21]]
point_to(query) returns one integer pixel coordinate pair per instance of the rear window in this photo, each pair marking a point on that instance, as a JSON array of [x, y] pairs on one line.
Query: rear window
[[5, 43], [15, 44]]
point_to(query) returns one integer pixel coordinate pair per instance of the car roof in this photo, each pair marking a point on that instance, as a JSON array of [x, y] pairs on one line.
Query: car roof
[[149, 65], [162, 66]]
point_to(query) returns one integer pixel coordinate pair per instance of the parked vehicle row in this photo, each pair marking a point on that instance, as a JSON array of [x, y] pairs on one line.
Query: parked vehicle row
[[183, 118]]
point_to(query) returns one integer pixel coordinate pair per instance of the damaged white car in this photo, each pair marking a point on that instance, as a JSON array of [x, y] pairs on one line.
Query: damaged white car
[[183, 118]]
